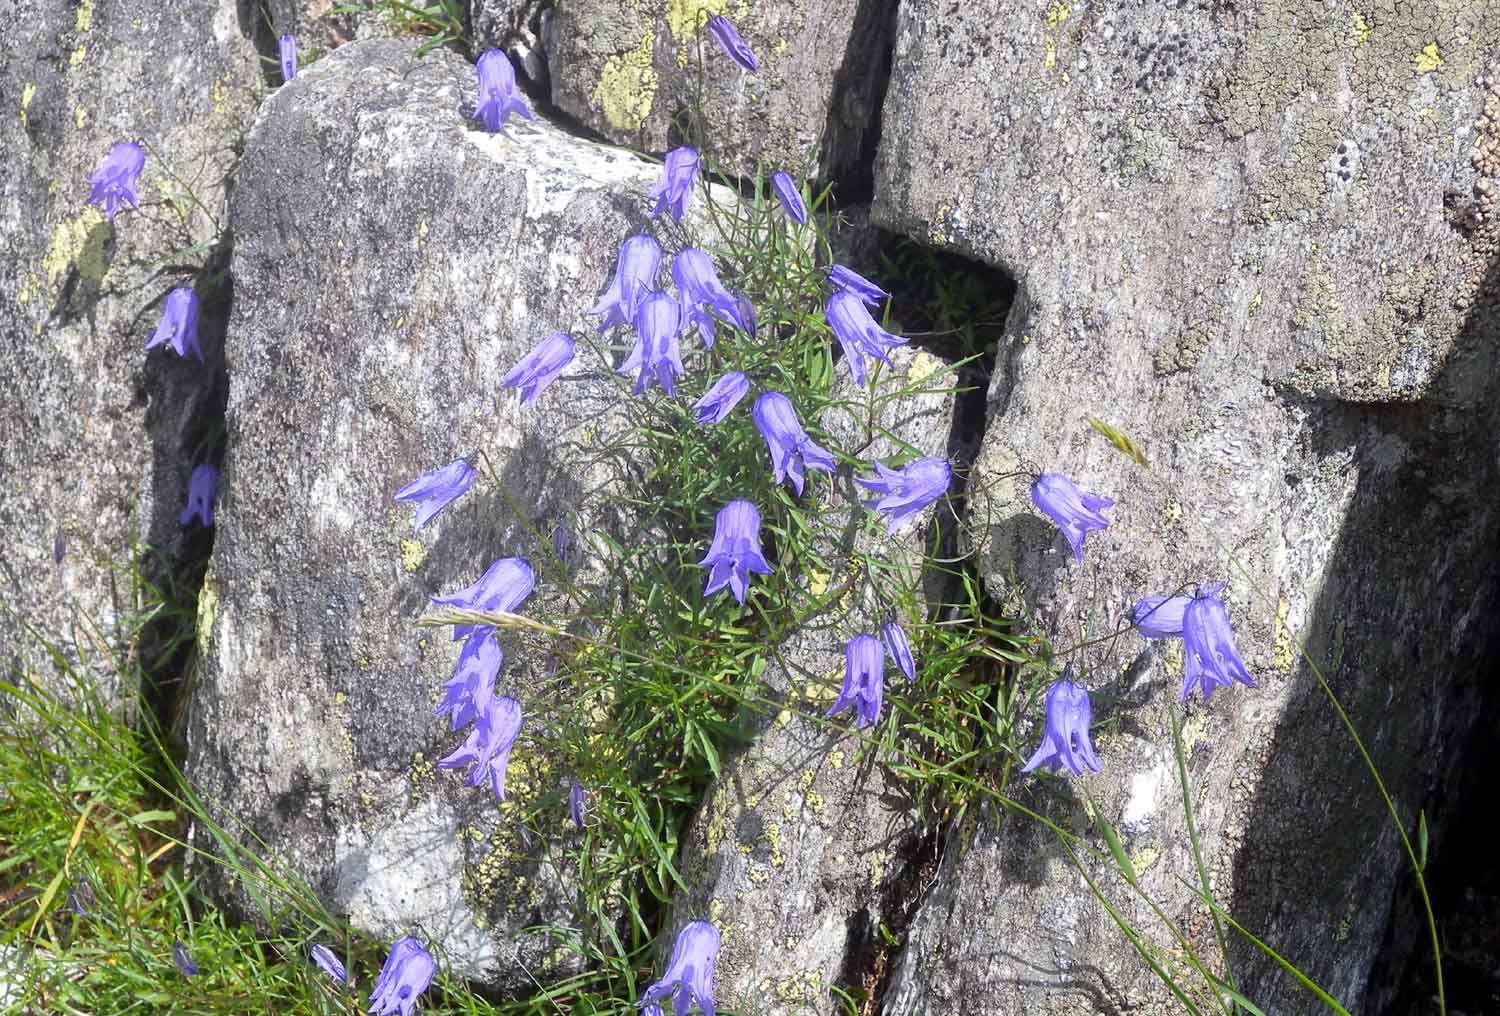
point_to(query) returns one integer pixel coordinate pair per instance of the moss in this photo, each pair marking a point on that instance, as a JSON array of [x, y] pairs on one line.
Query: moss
[[627, 85]]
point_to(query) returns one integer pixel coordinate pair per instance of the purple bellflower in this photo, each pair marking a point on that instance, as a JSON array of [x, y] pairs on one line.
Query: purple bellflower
[[498, 97], [792, 451], [203, 487], [184, 960], [864, 680], [723, 30], [1076, 511], [436, 490], [689, 976], [1065, 742], [407, 972], [286, 48], [325, 958], [858, 333], [700, 290], [635, 276], [500, 589], [735, 550], [81, 897], [906, 491], [1209, 657], [562, 540], [894, 639], [179, 323], [469, 690], [679, 173], [576, 804], [747, 315], [1160, 617], [540, 367], [850, 281], [487, 748], [657, 353], [115, 179], [790, 197], [720, 400]]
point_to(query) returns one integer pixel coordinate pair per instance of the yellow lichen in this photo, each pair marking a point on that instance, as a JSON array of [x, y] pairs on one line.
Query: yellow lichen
[[412, 555], [1359, 28], [1285, 653], [208, 608], [80, 117], [836, 759], [1058, 13], [627, 86], [686, 17], [84, 20], [1429, 59], [78, 56], [76, 243], [817, 582], [28, 92], [923, 366]]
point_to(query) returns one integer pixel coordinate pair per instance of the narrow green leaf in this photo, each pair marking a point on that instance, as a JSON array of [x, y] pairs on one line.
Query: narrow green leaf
[[1421, 841], [1120, 440], [1118, 849]]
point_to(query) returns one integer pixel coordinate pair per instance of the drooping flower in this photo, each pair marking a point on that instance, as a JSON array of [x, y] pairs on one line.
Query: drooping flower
[[689, 976], [700, 291], [407, 972], [81, 897], [1160, 617], [858, 333], [498, 97], [540, 367], [747, 314], [286, 48], [720, 400], [576, 804], [864, 680], [115, 179], [203, 487], [325, 958], [906, 491], [679, 173], [894, 639], [635, 276], [790, 197], [179, 323], [1065, 742], [469, 690], [735, 550], [436, 490], [850, 281], [1209, 656], [184, 960], [486, 751], [723, 30], [1076, 511], [792, 451], [499, 590], [657, 353]]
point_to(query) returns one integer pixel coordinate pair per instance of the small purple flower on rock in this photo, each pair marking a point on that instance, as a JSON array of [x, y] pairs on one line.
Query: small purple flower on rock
[[906, 491], [184, 960], [678, 175], [689, 976], [1160, 617], [203, 487], [790, 197], [576, 804], [723, 30], [894, 639], [326, 960], [81, 897], [792, 451], [436, 490], [858, 333], [116, 178], [1076, 511], [1065, 742], [486, 751], [407, 972], [499, 590], [540, 367], [1209, 656], [635, 276], [720, 400], [286, 48], [469, 690], [699, 289], [657, 353], [850, 281], [735, 550], [864, 680], [498, 97], [179, 323]]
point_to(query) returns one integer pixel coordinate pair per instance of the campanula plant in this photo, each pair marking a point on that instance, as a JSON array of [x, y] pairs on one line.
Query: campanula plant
[[179, 324], [864, 681], [679, 176], [689, 977], [792, 451], [498, 96], [116, 178], [721, 398], [636, 273], [406, 974], [436, 490], [286, 49], [203, 488], [735, 551], [540, 367], [1076, 511]]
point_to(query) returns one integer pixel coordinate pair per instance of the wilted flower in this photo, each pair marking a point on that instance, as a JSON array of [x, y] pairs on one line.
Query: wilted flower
[[472, 685], [179, 323], [499, 590], [906, 491], [635, 276], [1065, 742], [690, 972], [895, 643], [790, 197], [81, 897], [700, 290], [324, 957], [287, 49], [438, 489], [791, 449], [203, 487], [735, 550], [1209, 656], [1075, 511], [116, 178], [747, 314], [678, 174], [540, 367], [864, 680], [721, 399], [722, 29], [407, 972], [487, 748], [184, 960], [858, 333], [850, 281], [498, 97], [576, 803], [657, 353]]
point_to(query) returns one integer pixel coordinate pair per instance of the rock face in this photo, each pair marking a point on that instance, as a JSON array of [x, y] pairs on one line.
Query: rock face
[[1255, 240]]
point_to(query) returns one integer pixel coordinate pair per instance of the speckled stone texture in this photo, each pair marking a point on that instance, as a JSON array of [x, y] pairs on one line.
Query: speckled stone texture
[[630, 70], [1255, 238]]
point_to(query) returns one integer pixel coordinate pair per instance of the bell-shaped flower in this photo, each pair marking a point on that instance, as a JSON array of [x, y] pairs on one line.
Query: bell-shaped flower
[[407, 972], [499, 590], [747, 314], [656, 354], [434, 491], [286, 49], [792, 451], [635, 276], [735, 550], [324, 957], [1159, 617], [700, 290], [894, 639], [723, 30], [849, 281], [689, 977], [720, 400], [203, 487], [679, 173], [116, 178], [858, 333], [179, 323], [486, 751], [864, 680], [906, 491], [184, 960], [540, 367], [498, 97], [1076, 511], [576, 804], [790, 197], [1209, 657], [469, 690], [1065, 742]]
